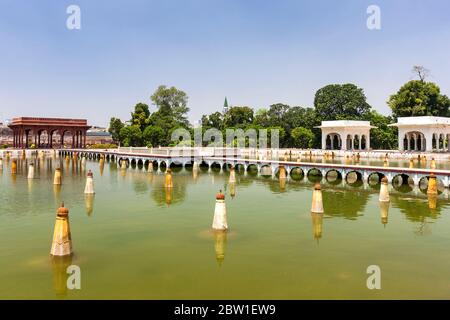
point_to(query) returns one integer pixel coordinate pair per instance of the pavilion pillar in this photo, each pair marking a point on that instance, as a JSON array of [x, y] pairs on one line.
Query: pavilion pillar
[[84, 139], [429, 142], [324, 140]]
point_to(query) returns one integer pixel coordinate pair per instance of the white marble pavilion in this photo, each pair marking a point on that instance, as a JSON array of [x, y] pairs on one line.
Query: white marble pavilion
[[427, 133], [345, 135]]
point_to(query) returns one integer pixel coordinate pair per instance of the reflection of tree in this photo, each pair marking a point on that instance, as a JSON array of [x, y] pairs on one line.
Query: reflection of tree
[[344, 203], [418, 209]]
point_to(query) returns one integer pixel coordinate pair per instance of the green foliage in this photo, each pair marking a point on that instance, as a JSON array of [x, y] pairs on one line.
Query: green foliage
[[131, 136], [419, 98], [302, 137], [102, 146], [153, 129], [115, 125], [172, 102], [341, 102], [140, 116], [153, 135], [382, 137], [214, 120], [238, 117]]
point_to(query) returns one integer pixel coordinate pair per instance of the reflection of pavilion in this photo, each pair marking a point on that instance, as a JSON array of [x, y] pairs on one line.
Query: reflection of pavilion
[[26, 127], [345, 135], [423, 133]]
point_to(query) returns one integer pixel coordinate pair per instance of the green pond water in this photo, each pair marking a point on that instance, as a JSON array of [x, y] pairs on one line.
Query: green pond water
[[134, 240]]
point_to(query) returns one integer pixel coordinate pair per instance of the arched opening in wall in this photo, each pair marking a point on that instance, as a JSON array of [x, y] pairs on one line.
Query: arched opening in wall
[[405, 143], [353, 177], [239, 168], [333, 141], [419, 142], [356, 145], [314, 175], [349, 145], [414, 141], [333, 177], [43, 139], [336, 142], [297, 174], [328, 142], [176, 166], [374, 179], [266, 171], [162, 166], [203, 165], [55, 139], [441, 141], [402, 183], [215, 166], [67, 139], [140, 164], [252, 169], [435, 142], [188, 165], [363, 142], [29, 142]]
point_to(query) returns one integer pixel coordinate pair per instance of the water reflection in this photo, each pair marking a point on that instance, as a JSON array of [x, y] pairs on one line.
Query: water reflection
[[89, 203], [60, 275], [220, 244], [334, 201], [384, 211], [317, 223]]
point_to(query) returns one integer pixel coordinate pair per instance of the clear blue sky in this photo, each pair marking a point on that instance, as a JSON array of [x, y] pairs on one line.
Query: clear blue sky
[[255, 52]]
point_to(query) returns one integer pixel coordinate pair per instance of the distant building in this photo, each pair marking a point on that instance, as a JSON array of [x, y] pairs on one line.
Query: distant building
[[6, 135], [98, 135]]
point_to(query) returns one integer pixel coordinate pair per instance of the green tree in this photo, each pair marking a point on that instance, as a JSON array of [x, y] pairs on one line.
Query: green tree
[[341, 102], [171, 102], [302, 137], [382, 137], [239, 117], [419, 98], [277, 114], [131, 136], [153, 136], [140, 116], [262, 118], [214, 120], [115, 125]]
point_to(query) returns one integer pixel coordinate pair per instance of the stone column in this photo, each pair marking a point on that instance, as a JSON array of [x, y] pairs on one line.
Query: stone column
[[368, 141], [324, 140], [429, 142], [448, 144]]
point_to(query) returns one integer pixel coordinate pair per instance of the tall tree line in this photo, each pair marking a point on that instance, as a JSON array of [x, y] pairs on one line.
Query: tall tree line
[[296, 124]]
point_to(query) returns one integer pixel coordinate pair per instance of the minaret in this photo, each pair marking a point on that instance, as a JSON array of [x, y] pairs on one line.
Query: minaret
[[225, 106]]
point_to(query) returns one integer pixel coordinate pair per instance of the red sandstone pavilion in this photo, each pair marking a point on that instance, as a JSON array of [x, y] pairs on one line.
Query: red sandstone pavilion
[[47, 132]]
